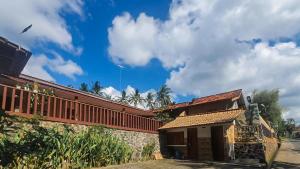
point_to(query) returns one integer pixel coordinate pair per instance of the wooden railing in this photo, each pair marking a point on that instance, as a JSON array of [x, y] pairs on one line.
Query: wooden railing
[[27, 103]]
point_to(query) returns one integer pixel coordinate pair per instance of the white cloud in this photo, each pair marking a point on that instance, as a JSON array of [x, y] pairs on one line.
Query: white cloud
[[139, 50], [37, 66], [111, 91], [48, 24], [115, 94], [200, 39]]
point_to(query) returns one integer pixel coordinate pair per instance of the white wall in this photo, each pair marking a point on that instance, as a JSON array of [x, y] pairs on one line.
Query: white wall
[[204, 131]]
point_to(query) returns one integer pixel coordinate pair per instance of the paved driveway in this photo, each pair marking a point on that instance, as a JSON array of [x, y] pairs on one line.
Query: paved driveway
[[288, 155], [174, 164]]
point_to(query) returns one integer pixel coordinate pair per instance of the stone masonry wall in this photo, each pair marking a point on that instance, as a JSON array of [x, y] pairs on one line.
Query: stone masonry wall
[[249, 151], [137, 140]]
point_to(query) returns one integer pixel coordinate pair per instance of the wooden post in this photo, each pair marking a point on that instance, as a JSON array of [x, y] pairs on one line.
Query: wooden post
[[71, 110], [28, 102], [60, 108], [35, 104], [84, 112], [66, 110], [48, 106], [21, 102], [43, 104], [76, 110], [54, 107], [100, 115], [13, 98], [4, 97]]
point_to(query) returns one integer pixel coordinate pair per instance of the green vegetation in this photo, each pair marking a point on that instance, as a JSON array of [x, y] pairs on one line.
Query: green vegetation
[[84, 87], [150, 100], [135, 98], [123, 98], [96, 88], [148, 150], [271, 110], [268, 102], [290, 125], [34, 146], [164, 96], [159, 100]]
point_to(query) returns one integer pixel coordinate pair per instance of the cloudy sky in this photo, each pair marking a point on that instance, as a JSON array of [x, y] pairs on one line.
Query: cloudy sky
[[195, 47]]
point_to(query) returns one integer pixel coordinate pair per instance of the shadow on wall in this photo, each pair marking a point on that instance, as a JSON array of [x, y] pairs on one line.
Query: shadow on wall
[[162, 142]]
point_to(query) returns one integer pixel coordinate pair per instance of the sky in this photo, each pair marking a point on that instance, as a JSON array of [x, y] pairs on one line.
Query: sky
[[195, 47]]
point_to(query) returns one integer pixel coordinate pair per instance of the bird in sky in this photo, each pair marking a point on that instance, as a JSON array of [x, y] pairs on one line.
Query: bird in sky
[[26, 29]]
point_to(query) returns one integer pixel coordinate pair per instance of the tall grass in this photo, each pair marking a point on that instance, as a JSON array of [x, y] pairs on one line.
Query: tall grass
[[148, 150], [40, 147]]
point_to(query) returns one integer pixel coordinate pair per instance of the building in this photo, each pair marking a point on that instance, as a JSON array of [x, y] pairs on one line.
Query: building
[[215, 128], [27, 96], [218, 127]]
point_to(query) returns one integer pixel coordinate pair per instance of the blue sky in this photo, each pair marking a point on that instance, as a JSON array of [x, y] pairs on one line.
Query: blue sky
[[195, 47], [91, 34]]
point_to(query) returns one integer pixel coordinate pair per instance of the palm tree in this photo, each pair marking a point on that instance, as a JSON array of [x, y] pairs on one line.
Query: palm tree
[[163, 96], [123, 98], [150, 100], [96, 88], [84, 87], [107, 96], [135, 98]]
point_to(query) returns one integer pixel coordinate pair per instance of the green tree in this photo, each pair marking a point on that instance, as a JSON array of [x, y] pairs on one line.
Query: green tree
[[135, 98], [123, 98], [290, 125], [163, 96], [107, 96], [150, 100], [96, 88], [84, 87], [268, 103]]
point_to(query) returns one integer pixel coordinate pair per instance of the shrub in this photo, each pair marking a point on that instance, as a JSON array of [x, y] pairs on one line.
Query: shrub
[[40, 147], [148, 150]]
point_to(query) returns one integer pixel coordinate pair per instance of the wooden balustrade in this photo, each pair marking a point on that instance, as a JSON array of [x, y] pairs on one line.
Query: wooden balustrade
[[27, 104]]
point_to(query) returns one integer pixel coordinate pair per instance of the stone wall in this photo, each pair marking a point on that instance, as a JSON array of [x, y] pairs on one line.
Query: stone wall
[[247, 151], [137, 140]]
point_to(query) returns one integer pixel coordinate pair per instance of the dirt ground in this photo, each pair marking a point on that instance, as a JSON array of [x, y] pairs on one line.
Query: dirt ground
[[174, 164], [288, 155]]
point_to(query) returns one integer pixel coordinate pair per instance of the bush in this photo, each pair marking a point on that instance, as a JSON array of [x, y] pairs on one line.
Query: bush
[[40, 147], [148, 150]]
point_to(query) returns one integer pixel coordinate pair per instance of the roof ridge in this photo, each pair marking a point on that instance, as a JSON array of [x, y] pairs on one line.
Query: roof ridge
[[220, 93]]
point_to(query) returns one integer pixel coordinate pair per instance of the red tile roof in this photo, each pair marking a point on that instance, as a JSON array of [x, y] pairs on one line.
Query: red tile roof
[[235, 94], [217, 97]]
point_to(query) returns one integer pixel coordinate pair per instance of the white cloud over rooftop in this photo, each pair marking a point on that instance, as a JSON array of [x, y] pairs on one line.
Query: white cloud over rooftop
[[201, 43]]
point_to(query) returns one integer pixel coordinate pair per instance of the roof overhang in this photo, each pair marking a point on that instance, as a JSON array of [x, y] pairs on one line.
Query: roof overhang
[[13, 58], [220, 117]]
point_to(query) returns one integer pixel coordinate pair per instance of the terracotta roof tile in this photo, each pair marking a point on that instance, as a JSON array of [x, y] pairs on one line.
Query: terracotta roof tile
[[217, 97], [204, 119], [207, 99]]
